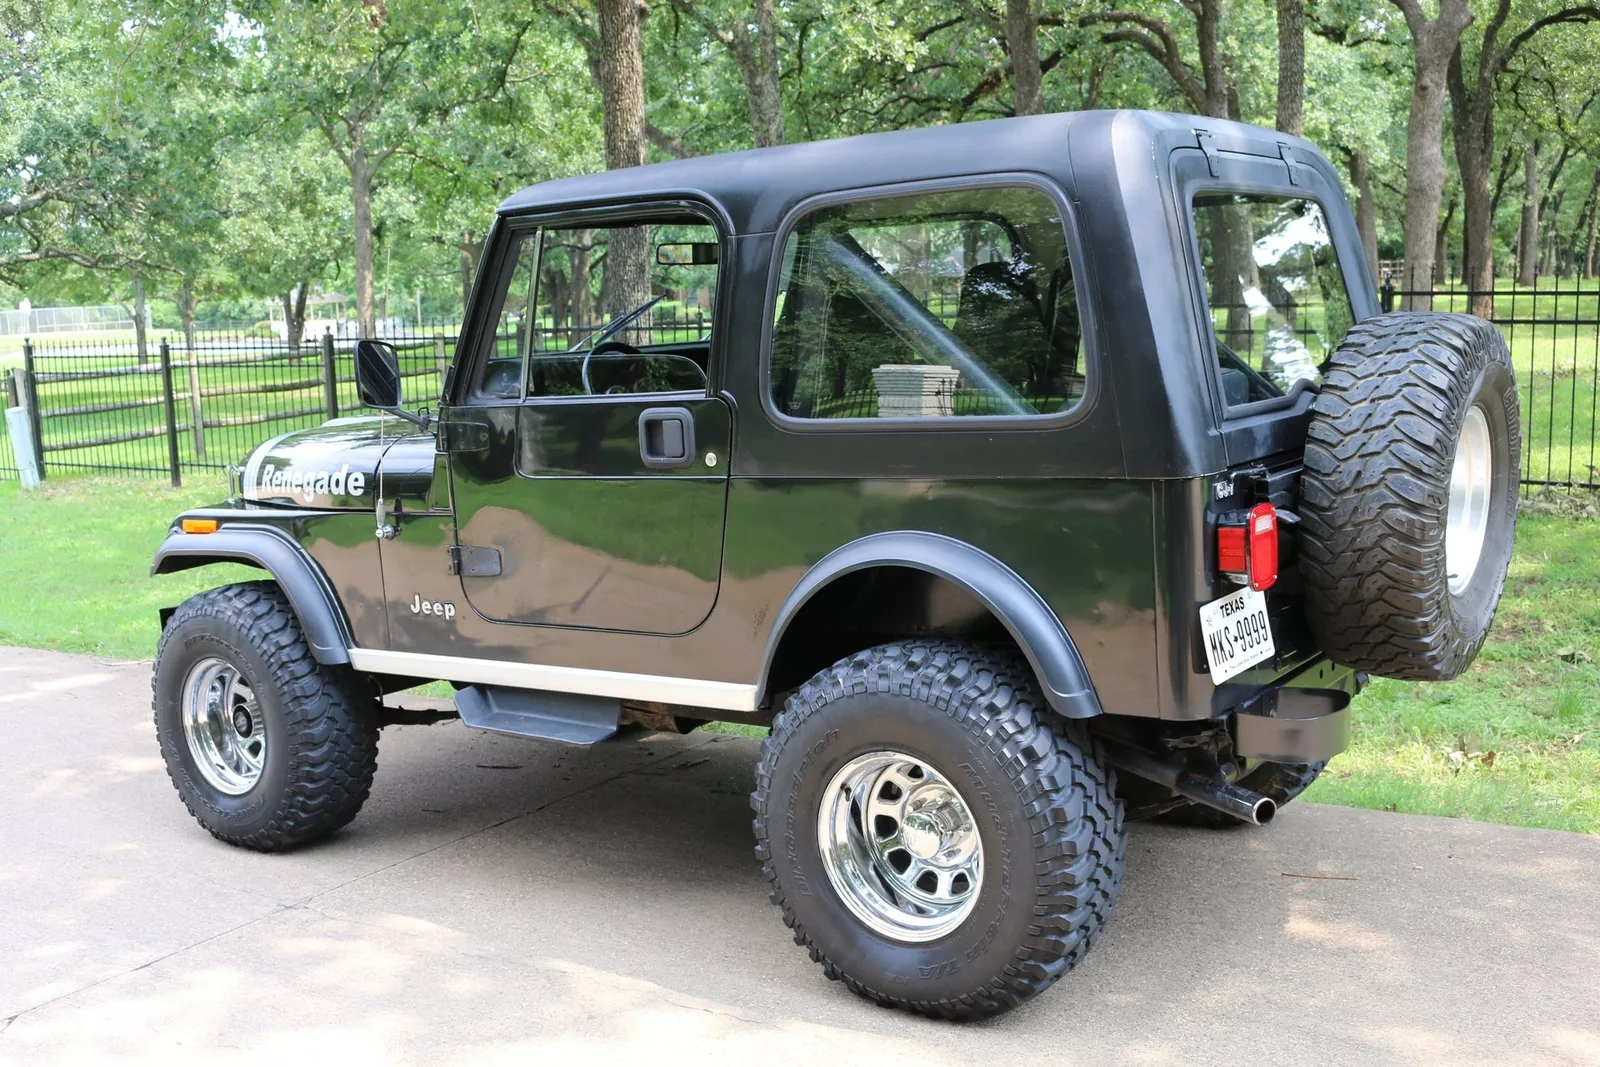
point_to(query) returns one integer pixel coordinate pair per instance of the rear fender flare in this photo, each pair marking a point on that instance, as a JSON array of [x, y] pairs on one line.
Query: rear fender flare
[[1019, 608], [316, 605]]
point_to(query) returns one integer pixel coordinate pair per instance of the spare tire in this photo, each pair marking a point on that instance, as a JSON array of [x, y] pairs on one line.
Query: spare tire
[[1409, 494]]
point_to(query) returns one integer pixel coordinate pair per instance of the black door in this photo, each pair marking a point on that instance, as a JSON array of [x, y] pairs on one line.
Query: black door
[[589, 463]]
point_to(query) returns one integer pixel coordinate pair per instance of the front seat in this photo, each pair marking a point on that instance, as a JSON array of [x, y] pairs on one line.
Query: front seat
[[998, 316]]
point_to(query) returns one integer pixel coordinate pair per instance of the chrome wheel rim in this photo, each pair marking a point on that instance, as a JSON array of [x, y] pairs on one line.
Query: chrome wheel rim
[[900, 846], [222, 724], [1467, 520]]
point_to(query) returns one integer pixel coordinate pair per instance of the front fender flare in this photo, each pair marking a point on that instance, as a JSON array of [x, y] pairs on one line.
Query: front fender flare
[[1036, 629], [302, 581]]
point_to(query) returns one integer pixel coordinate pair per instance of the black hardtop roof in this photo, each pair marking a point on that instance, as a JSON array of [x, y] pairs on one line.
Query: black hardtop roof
[[756, 188]]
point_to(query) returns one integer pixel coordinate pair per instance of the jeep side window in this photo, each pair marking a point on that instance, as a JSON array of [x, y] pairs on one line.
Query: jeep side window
[[926, 306], [624, 309], [502, 372], [1277, 299]]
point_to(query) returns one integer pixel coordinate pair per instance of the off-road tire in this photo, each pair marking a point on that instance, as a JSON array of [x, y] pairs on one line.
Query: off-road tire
[[1280, 781], [1052, 813], [1375, 490], [321, 723]]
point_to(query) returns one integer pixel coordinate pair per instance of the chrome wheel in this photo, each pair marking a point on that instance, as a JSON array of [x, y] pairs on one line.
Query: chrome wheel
[[900, 846], [223, 725], [1467, 520]]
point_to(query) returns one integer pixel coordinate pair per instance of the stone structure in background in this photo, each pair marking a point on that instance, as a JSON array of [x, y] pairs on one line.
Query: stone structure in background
[[914, 390]]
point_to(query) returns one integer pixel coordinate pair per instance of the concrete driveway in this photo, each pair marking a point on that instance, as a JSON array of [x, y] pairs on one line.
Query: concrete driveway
[[509, 902]]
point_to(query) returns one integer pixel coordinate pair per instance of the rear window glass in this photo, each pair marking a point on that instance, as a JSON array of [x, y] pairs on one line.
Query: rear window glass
[[925, 306], [1277, 299]]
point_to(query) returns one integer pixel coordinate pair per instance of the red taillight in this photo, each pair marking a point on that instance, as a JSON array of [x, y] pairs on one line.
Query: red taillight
[[1251, 551], [1263, 539], [1230, 550]]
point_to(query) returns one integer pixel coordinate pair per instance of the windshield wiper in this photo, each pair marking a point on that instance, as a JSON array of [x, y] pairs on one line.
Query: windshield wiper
[[616, 324]]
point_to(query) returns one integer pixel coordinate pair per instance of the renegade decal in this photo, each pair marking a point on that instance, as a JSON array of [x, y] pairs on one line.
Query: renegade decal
[[444, 608], [311, 484]]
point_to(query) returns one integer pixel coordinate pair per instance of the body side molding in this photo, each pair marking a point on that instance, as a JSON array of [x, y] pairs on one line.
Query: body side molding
[[690, 692], [302, 581], [1036, 629]]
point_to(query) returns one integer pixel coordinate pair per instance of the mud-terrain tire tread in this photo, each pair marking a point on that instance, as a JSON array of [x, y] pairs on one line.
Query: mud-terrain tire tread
[[1375, 487], [332, 731], [1280, 781], [993, 694]]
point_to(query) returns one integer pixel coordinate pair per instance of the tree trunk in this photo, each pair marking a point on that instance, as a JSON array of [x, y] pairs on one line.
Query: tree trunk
[[1583, 234], [1440, 237], [764, 92], [1434, 42], [582, 284], [1022, 41], [361, 207], [186, 305], [294, 317], [1221, 100], [471, 252], [1528, 266], [1472, 111], [1291, 65], [141, 345], [626, 282], [1366, 210]]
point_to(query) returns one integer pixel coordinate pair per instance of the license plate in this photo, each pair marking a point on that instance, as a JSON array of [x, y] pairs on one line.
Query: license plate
[[1236, 633]]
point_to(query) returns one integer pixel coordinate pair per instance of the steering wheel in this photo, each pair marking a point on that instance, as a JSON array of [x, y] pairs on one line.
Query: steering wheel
[[599, 350]]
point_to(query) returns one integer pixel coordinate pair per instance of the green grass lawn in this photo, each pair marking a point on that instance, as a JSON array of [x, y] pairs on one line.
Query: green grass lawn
[[1517, 740]]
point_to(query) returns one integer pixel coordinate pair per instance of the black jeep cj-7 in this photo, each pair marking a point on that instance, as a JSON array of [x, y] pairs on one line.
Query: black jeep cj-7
[[1025, 476]]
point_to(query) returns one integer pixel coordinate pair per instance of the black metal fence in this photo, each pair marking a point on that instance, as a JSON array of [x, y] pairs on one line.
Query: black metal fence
[[98, 407], [1553, 331]]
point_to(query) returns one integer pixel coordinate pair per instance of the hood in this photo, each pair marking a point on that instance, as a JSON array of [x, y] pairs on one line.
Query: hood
[[335, 465]]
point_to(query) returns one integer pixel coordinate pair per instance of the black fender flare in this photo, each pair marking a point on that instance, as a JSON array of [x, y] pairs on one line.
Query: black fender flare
[[322, 619], [1036, 629]]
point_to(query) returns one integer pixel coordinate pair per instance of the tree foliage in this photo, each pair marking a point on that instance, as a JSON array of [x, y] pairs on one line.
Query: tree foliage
[[263, 150]]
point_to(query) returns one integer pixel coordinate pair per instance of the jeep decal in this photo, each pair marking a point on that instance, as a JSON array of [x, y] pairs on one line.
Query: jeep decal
[[443, 608]]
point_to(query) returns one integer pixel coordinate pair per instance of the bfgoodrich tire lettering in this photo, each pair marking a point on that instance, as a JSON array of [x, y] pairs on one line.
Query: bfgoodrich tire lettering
[[1376, 489], [1051, 827], [322, 739]]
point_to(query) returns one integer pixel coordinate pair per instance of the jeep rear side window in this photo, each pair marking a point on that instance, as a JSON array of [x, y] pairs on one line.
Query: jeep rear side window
[[1278, 302], [929, 305]]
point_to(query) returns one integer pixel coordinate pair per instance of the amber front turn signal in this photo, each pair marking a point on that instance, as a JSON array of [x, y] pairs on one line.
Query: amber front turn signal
[[200, 526]]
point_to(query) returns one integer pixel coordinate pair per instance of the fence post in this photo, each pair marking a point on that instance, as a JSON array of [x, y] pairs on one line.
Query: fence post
[[330, 376], [1386, 295], [172, 413], [14, 392], [30, 400], [197, 426]]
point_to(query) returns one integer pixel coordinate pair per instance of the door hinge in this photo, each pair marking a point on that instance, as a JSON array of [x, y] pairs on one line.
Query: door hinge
[[1209, 147], [1287, 155], [470, 561], [463, 437]]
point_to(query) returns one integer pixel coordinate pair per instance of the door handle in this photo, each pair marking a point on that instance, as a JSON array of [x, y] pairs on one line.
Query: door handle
[[666, 437]]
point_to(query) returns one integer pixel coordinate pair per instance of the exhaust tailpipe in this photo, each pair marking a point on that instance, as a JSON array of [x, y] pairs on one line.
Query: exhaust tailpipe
[[1254, 808]]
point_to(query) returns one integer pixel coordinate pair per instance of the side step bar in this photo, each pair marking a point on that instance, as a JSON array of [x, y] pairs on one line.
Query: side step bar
[[571, 718]]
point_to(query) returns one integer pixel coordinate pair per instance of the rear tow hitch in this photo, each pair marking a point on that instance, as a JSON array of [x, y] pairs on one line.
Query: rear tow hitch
[[1254, 808]]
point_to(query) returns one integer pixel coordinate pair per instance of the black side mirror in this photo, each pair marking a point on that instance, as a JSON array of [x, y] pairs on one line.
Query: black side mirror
[[378, 374]]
